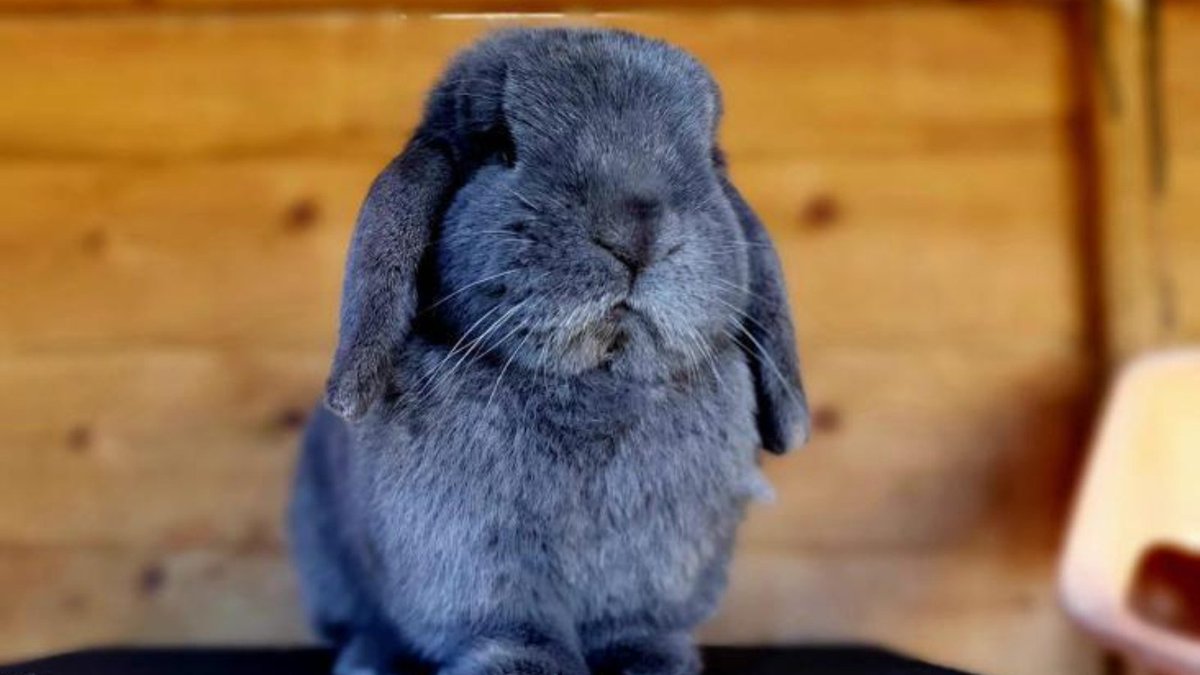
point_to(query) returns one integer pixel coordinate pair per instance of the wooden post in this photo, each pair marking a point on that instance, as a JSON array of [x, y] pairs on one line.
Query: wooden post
[[1139, 308]]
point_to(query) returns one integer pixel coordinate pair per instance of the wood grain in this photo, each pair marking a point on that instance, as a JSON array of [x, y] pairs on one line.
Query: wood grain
[[111, 255], [184, 449], [925, 250], [964, 608], [56, 598], [449, 6], [943, 448], [177, 188], [929, 79], [1137, 299], [249, 252], [1181, 211], [1181, 231], [924, 515], [1181, 25], [935, 448]]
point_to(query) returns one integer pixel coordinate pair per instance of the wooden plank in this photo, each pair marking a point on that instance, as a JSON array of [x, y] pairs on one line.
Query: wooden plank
[[178, 189], [943, 447], [921, 250], [1138, 304], [1181, 83], [961, 607], [116, 255], [1181, 235], [60, 598], [179, 450], [923, 516], [921, 449], [447, 6], [1181, 211], [956, 607], [936, 79], [249, 252]]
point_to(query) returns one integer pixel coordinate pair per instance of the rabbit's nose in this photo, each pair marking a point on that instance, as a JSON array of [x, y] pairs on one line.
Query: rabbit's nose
[[633, 242]]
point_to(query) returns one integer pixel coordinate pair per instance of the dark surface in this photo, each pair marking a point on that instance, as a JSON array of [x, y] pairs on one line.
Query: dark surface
[[719, 660]]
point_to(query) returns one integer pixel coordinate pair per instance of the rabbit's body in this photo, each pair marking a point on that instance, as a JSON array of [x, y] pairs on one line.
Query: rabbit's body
[[564, 337], [608, 509]]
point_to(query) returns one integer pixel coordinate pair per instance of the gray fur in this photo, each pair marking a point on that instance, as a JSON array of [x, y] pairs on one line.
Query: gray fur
[[564, 336]]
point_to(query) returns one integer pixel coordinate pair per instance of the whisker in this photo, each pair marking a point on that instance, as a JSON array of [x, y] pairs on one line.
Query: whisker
[[740, 289], [740, 312], [504, 369], [479, 340], [709, 355], [425, 381], [765, 358], [524, 200], [466, 288], [467, 234]]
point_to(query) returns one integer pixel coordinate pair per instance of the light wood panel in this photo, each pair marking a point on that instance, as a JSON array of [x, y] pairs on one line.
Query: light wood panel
[[943, 448], [140, 448], [929, 79], [1157, 241], [935, 448], [1137, 298], [1181, 211], [1181, 232], [939, 605], [909, 250], [921, 250], [56, 598], [983, 611], [1181, 25], [177, 188], [235, 252], [456, 6]]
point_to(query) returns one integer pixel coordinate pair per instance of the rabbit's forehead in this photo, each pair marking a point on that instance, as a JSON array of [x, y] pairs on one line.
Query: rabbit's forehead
[[608, 91]]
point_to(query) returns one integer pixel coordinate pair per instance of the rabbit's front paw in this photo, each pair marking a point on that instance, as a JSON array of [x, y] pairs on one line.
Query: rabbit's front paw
[[362, 656], [672, 654], [499, 658]]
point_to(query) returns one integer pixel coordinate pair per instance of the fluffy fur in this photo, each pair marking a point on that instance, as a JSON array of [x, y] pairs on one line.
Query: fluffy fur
[[564, 336]]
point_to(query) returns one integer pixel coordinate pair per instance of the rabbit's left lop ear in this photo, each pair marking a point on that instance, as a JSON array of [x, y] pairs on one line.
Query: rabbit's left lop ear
[[463, 118], [379, 296], [767, 337]]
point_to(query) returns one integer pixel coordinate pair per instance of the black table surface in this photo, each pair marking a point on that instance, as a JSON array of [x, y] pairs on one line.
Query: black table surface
[[832, 660]]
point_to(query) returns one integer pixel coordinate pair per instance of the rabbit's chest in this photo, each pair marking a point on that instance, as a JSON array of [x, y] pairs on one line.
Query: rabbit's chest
[[629, 499], [646, 511], [656, 521]]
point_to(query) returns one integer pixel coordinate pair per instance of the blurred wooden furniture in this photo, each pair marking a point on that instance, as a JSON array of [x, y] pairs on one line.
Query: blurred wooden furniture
[[1131, 568]]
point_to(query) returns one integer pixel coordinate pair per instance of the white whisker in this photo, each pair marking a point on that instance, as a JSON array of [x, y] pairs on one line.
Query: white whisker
[[468, 287], [504, 369]]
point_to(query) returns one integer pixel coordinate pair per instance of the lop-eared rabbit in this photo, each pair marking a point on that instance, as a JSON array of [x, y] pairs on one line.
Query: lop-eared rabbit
[[564, 340]]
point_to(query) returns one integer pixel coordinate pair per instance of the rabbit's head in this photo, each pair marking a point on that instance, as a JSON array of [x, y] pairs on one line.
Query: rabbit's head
[[564, 207]]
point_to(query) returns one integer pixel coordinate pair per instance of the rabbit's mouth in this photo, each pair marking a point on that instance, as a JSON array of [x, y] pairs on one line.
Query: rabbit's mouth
[[617, 331], [626, 328], [615, 345]]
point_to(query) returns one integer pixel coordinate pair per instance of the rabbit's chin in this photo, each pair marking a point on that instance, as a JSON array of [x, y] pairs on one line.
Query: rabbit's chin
[[632, 347]]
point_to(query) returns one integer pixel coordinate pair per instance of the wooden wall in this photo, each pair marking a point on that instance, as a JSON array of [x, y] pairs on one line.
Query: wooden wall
[[1181, 199], [177, 185]]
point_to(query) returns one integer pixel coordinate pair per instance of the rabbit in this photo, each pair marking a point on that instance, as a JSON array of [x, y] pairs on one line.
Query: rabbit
[[564, 339]]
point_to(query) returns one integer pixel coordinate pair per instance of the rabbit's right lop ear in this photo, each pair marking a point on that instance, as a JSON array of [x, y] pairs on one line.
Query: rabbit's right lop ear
[[783, 417], [379, 296]]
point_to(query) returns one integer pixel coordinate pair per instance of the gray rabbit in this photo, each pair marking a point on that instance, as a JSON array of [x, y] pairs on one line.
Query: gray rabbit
[[564, 337]]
